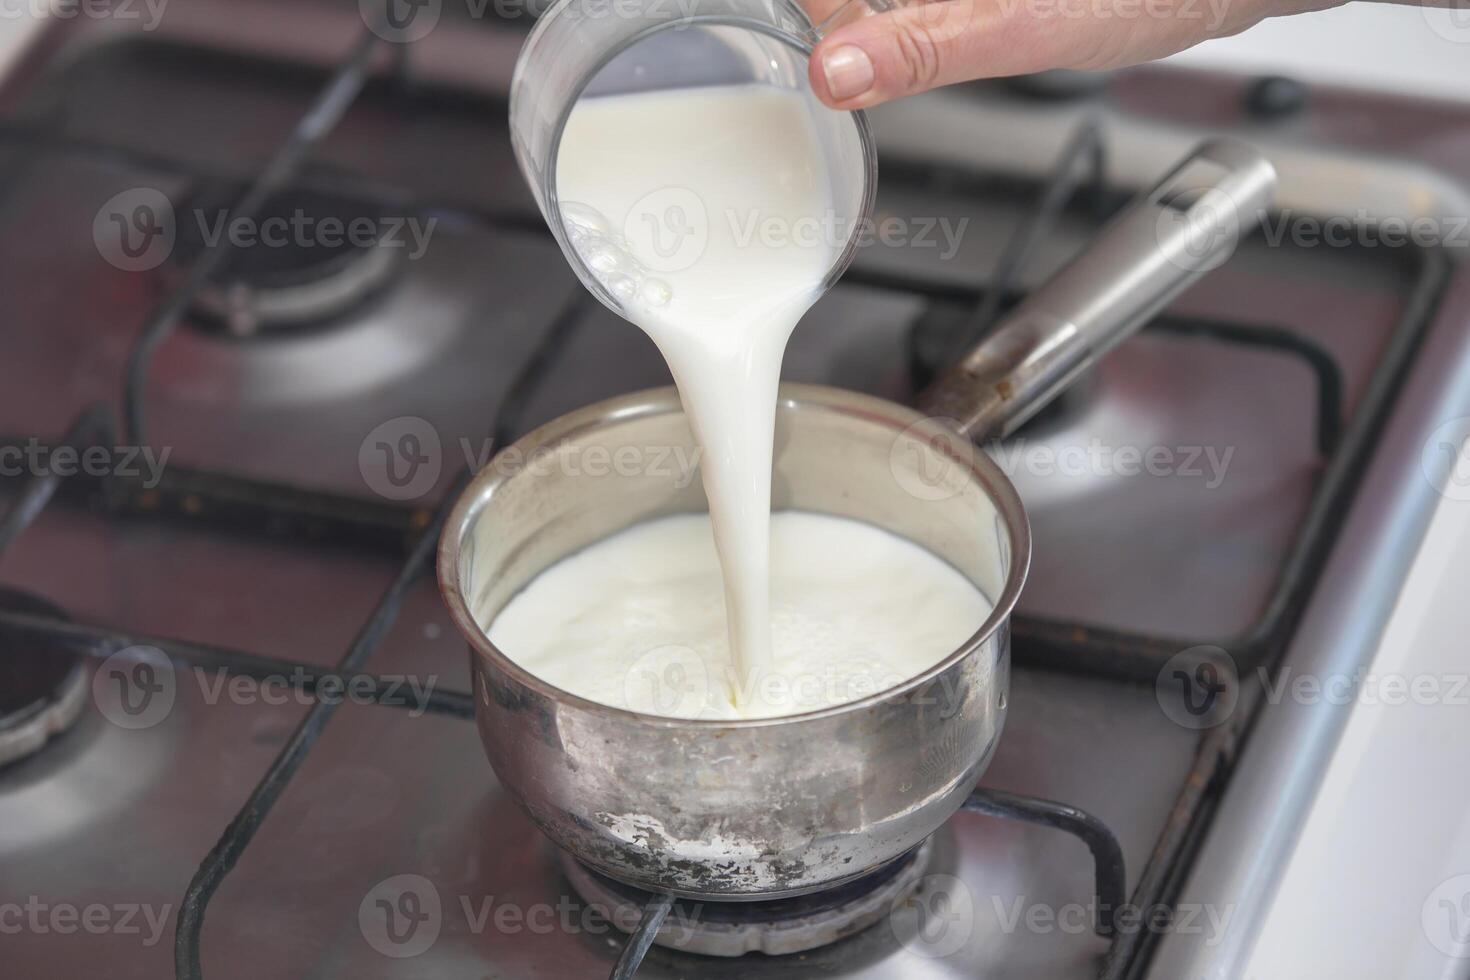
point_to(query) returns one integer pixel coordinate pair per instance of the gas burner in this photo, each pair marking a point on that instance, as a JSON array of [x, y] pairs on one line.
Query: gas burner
[[43, 686], [306, 260], [776, 927]]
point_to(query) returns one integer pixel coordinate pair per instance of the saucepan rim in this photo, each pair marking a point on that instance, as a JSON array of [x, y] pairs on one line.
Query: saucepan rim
[[478, 494]]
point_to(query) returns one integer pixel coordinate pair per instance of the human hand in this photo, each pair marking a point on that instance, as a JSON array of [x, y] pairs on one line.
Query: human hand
[[924, 44]]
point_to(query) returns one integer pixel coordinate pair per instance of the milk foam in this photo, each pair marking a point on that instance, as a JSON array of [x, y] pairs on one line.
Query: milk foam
[[637, 620]]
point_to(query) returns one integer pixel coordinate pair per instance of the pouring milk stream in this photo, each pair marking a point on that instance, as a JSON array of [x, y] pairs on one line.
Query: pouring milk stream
[[707, 212]]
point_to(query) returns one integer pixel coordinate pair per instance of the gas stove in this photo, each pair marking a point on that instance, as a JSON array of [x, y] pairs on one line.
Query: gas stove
[[276, 286]]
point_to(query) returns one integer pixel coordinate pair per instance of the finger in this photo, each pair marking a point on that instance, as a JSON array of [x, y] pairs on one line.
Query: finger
[[899, 53], [925, 45]]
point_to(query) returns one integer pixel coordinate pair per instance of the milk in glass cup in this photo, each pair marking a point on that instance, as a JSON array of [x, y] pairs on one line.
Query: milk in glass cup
[[584, 49]]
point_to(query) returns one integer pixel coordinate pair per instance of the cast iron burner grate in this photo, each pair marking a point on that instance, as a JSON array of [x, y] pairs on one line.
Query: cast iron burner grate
[[223, 501], [811, 921]]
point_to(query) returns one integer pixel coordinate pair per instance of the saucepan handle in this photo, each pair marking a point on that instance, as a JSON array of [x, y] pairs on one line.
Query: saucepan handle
[[1159, 245]]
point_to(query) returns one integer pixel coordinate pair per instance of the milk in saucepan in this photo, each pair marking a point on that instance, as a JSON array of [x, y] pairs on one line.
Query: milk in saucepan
[[709, 214], [636, 620]]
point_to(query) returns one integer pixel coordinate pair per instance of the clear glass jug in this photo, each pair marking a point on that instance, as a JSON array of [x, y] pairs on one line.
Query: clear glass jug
[[588, 48]]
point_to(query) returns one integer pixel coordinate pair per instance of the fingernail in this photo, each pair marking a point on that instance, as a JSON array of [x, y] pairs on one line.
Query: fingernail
[[849, 72]]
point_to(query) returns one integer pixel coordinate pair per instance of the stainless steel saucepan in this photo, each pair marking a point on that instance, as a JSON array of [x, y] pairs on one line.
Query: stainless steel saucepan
[[735, 810]]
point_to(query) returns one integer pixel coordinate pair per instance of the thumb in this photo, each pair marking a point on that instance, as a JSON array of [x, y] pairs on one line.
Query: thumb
[[902, 52], [928, 43]]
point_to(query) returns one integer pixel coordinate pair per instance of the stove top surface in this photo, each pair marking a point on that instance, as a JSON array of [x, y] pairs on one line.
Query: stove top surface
[[1168, 498]]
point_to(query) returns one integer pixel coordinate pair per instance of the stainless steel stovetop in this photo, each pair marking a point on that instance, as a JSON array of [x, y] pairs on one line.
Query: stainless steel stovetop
[[1260, 393]]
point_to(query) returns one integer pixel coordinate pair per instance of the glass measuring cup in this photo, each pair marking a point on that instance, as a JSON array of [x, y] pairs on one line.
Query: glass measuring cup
[[589, 48]]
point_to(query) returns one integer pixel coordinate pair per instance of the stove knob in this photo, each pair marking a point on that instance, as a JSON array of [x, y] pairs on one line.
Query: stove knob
[[1275, 97]]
